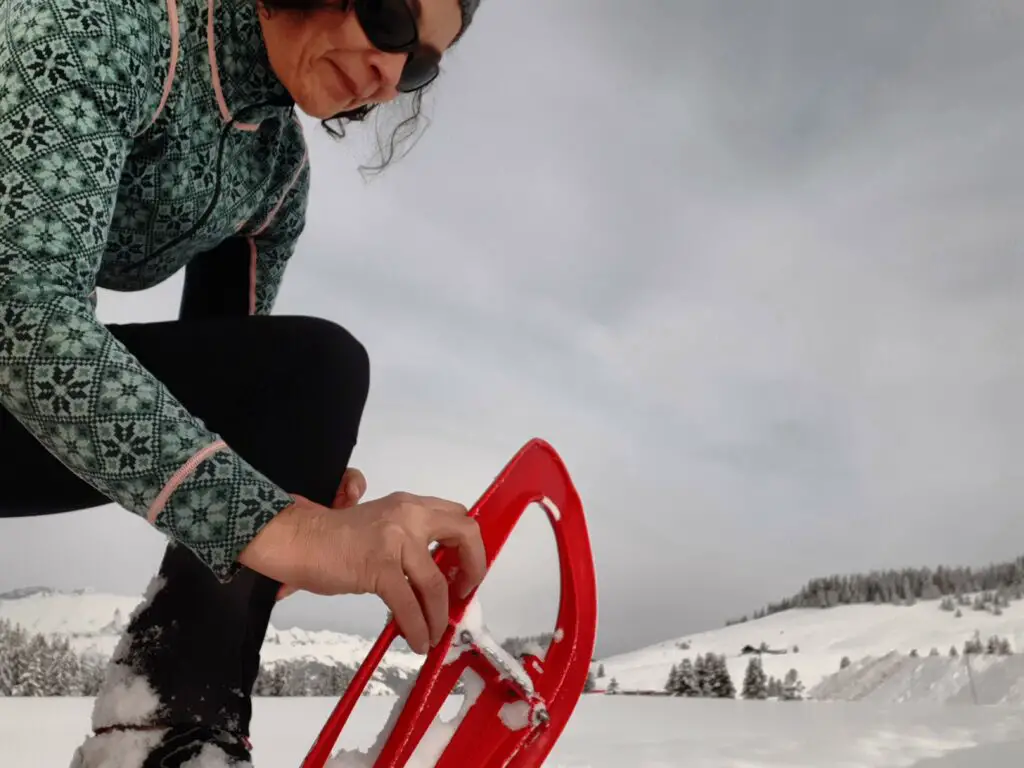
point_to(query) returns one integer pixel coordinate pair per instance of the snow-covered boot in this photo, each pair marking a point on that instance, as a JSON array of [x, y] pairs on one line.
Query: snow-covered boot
[[178, 688]]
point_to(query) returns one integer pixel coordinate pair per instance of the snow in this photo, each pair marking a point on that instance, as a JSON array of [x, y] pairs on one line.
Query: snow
[[824, 637], [895, 678], [211, 757], [434, 741], [515, 715], [612, 732], [126, 698], [886, 708], [440, 732], [473, 624], [118, 749]]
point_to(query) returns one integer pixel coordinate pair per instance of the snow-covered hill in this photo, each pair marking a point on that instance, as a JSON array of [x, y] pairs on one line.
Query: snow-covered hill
[[814, 642], [896, 678], [93, 623]]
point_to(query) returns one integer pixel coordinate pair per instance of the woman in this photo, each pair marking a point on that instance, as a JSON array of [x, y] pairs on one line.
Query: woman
[[138, 139]]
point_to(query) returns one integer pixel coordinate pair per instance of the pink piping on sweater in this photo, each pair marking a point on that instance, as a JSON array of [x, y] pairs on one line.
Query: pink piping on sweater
[[253, 249], [172, 22], [215, 73], [179, 477]]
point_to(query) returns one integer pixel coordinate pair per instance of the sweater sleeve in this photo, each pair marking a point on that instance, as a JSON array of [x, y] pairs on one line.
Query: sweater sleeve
[[273, 243], [72, 88]]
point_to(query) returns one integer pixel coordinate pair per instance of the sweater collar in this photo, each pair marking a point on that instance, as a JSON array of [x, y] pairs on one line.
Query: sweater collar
[[240, 68]]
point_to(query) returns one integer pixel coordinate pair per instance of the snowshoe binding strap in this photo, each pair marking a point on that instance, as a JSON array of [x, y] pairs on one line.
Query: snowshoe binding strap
[[514, 710]]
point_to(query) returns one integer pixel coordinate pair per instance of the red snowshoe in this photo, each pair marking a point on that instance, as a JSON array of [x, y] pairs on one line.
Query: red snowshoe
[[513, 711]]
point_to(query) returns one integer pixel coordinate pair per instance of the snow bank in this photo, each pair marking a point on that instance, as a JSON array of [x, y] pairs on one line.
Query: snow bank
[[897, 678]]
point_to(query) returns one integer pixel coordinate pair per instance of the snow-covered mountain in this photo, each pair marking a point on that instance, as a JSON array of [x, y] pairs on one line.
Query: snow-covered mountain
[[877, 639], [93, 622]]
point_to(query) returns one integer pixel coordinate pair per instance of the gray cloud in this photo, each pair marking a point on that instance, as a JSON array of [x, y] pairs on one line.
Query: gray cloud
[[752, 268]]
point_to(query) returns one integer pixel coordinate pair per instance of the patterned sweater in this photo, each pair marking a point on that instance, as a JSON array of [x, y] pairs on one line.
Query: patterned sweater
[[136, 135]]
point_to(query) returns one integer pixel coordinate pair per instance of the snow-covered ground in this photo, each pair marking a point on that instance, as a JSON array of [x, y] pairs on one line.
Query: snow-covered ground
[[617, 732], [823, 638]]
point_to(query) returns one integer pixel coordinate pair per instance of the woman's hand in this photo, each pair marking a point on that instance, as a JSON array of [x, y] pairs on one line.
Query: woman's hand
[[350, 491], [377, 547]]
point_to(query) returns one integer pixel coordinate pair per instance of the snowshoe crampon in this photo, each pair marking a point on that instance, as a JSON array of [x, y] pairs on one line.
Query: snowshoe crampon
[[513, 710]]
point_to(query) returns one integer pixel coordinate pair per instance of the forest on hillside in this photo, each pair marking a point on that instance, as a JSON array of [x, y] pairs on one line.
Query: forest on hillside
[[1003, 581], [33, 664]]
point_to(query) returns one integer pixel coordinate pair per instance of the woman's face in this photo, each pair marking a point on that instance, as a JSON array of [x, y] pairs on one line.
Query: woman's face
[[328, 65]]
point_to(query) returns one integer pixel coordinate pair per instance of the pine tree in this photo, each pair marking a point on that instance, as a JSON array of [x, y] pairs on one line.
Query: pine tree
[[998, 646], [272, 680], [722, 686], [613, 686], [32, 680], [672, 684], [755, 684], [973, 646], [792, 688], [13, 657], [92, 674], [701, 675], [687, 679], [63, 673]]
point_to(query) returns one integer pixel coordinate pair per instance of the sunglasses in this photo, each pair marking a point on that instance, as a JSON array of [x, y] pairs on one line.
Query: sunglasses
[[390, 25]]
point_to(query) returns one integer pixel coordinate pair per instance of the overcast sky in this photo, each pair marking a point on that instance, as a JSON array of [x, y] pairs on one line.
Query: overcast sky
[[752, 268]]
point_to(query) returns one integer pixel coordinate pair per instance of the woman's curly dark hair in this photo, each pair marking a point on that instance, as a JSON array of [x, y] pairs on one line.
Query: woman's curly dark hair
[[413, 102]]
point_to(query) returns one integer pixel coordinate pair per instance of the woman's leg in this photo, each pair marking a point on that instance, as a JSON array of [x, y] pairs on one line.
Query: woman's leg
[[288, 395]]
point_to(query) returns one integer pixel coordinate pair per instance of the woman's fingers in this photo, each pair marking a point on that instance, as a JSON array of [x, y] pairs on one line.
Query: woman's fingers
[[431, 586], [463, 534], [398, 595], [386, 550]]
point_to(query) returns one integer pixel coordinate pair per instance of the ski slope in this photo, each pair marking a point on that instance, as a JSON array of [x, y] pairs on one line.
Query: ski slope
[[824, 637], [615, 732]]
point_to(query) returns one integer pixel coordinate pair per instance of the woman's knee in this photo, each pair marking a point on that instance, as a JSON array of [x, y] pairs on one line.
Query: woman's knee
[[338, 358], [328, 348], [334, 367]]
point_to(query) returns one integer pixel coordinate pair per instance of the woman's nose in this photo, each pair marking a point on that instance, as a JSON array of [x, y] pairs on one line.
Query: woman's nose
[[387, 70]]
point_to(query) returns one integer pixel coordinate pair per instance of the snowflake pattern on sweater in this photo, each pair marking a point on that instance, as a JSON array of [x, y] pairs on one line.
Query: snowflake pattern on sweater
[[121, 123]]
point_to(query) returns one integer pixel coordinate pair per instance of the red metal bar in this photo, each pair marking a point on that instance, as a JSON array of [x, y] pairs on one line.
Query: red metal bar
[[535, 474]]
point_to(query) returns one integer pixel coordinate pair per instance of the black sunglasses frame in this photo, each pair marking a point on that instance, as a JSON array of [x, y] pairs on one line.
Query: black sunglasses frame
[[423, 63]]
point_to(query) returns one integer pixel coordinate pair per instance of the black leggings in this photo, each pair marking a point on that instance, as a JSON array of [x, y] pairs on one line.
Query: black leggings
[[196, 641]]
